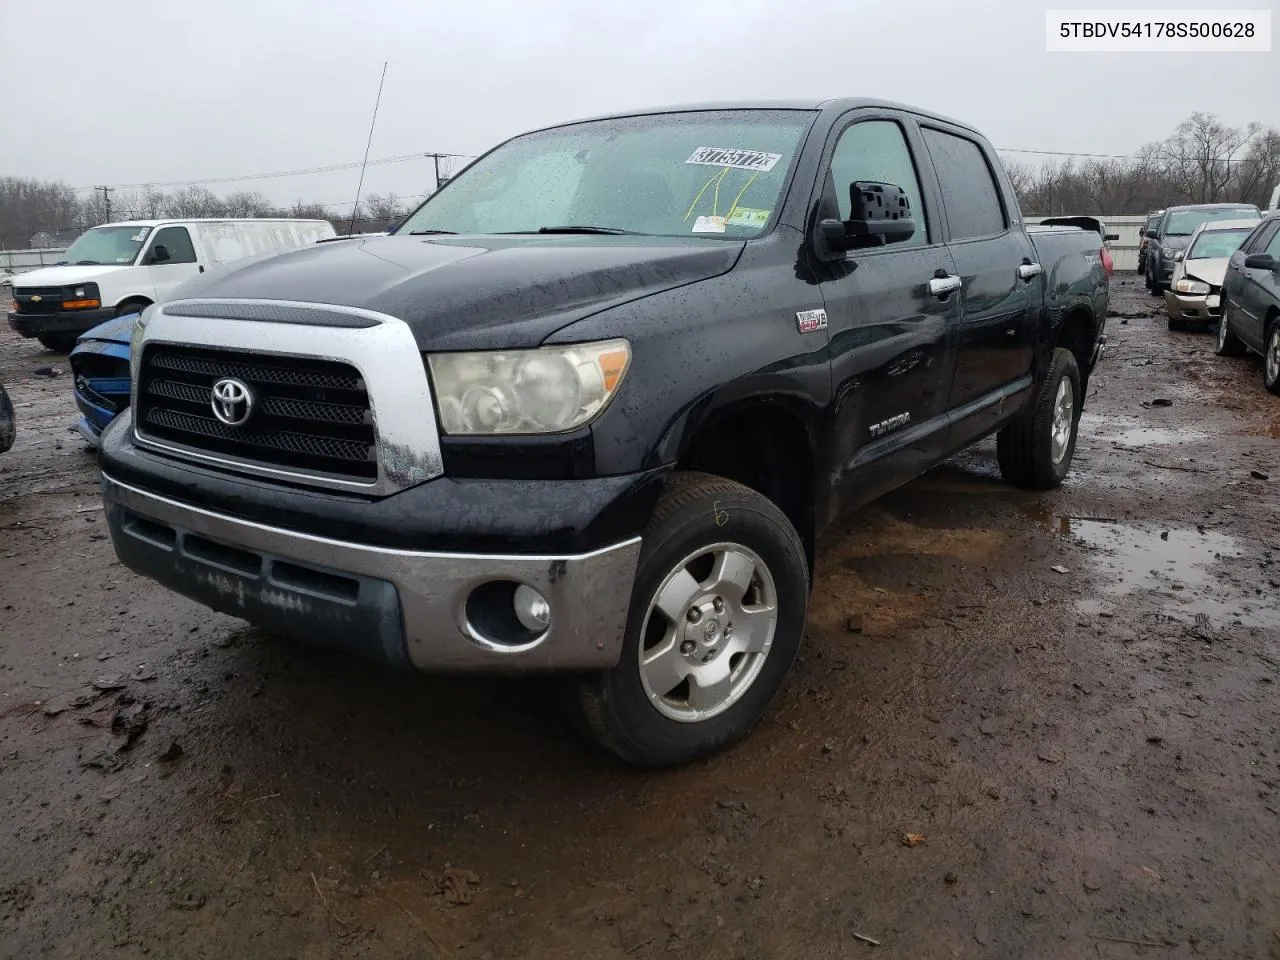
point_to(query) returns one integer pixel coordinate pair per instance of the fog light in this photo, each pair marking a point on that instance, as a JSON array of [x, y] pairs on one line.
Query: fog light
[[532, 609]]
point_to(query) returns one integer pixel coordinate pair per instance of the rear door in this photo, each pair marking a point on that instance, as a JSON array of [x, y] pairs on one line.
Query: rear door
[[181, 263], [1000, 305], [890, 336], [1248, 289]]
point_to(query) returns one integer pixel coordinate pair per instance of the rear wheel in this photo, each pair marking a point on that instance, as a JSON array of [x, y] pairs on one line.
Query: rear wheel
[[58, 342], [717, 614], [1229, 345], [1271, 357], [1035, 452]]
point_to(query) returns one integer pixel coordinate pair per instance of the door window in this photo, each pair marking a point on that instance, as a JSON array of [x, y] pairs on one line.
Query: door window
[[969, 191], [178, 242], [876, 150], [1273, 246]]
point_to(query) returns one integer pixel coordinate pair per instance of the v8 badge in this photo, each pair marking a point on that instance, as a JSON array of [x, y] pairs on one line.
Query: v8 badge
[[809, 321]]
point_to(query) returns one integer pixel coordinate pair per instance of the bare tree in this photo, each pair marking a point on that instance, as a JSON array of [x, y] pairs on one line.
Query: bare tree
[[246, 204], [192, 202], [1200, 153]]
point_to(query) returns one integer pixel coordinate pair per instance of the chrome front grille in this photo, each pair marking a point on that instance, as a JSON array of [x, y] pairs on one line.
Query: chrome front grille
[[309, 414], [341, 397]]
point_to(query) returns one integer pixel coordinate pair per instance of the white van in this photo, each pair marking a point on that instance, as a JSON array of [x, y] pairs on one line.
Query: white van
[[119, 268]]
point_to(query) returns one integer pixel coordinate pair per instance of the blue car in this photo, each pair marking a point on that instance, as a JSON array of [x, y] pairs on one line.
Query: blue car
[[100, 369]]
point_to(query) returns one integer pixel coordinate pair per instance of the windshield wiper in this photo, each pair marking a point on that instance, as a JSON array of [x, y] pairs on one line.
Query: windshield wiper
[[573, 228], [88, 263], [423, 233]]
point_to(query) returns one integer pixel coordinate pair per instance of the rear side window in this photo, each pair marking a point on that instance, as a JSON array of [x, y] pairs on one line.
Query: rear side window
[[876, 150], [969, 191], [178, 243]]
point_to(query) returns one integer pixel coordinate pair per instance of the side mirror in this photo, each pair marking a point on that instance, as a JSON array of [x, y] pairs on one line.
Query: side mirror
[[1178, 256], [880, 213], [159, 253], [1261, 261]]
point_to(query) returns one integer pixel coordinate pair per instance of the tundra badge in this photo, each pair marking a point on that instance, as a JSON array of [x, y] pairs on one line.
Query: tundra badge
[[807, 321], [893, 423]]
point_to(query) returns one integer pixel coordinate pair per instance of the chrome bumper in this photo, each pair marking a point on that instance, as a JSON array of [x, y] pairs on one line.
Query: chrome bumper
[[396, 605]]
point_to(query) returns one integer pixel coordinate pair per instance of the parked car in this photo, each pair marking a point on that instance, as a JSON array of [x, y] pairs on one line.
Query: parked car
[[1173, 233], [1144, 236], [7, 422], [119, 268], [1195, 294], [1251, 311], [1096, 226], [590, 406], [100, 360]]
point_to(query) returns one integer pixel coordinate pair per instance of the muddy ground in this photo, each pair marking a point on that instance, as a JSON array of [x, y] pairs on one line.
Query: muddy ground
[[1069, 701]]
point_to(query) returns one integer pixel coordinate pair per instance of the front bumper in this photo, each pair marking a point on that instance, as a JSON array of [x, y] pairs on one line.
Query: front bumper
[[1197, 308], [64, 321], [403, 607]]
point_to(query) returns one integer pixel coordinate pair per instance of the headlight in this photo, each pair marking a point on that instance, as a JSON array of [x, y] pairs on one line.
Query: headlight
[[1195, 287], [548, 390], [1166, 251], [135, 341]]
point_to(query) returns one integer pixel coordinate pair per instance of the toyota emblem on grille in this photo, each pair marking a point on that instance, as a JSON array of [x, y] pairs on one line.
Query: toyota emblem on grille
[[232, 402]]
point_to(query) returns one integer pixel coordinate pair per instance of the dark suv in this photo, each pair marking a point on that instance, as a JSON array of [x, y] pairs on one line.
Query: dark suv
[[1173, 232], [1147, 230]]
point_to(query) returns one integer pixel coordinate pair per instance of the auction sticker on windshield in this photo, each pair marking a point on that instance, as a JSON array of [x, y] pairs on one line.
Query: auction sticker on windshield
[[748, 217], [708, 225], [742, 159]]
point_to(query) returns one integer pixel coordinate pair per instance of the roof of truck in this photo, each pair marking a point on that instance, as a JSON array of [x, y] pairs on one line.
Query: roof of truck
[[829, 103], [1212, 206]]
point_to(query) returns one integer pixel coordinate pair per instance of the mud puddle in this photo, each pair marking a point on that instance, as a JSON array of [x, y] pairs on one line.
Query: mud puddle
[[1131, 432], [1182, 569]]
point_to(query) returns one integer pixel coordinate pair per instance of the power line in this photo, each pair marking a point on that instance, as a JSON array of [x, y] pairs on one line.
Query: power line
[[276, 174]]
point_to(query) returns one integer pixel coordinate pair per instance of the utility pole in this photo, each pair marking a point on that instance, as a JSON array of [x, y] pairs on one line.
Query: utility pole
[[437, 157], [106, 199]]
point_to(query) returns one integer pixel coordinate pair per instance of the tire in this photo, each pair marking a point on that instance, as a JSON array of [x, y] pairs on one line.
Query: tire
[[1229, 345], [709, 518], [131, 306], [1035, 451], [58, 342], [7, 425], [1146, 279], [1271, 357], [1176, 323]]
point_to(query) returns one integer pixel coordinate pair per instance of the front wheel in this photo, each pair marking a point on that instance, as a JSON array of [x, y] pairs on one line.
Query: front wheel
[[717, 614], [1035, 451], [58, 342], [1271, 358], [1229, 345]]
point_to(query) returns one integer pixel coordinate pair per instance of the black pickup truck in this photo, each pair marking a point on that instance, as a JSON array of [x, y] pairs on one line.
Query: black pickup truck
[[589, 407]]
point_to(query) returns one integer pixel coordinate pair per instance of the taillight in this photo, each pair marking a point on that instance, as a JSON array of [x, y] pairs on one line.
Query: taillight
[[1107, 263]]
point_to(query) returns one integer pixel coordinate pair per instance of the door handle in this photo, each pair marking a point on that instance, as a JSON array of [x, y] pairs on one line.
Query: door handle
[[944, 285], [1028, 271]]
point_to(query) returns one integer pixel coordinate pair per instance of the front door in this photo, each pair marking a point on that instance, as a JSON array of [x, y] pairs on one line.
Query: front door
[[996, 348], [890, 337], [170, 259], [1250, 288]]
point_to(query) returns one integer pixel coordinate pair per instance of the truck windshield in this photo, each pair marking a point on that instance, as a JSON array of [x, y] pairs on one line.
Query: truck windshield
[[713, 174], [107, 245], [1183, 223], [1217, 244]]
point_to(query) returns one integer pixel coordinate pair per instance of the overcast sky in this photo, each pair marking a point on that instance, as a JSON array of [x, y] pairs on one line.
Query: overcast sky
[[141, 91]]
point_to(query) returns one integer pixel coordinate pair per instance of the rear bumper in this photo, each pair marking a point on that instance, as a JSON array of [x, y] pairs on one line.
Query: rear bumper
[[67, 321], [403, 607]]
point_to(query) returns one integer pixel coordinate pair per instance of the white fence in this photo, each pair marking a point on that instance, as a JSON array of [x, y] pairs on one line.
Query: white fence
[[20, 261]]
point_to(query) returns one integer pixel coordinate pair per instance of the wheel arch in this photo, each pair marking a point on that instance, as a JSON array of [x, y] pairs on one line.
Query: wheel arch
[[765, 441]]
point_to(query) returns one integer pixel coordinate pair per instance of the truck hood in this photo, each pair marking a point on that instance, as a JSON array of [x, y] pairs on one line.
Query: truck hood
[[62, 276], [1210, 270], [473, 292]]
